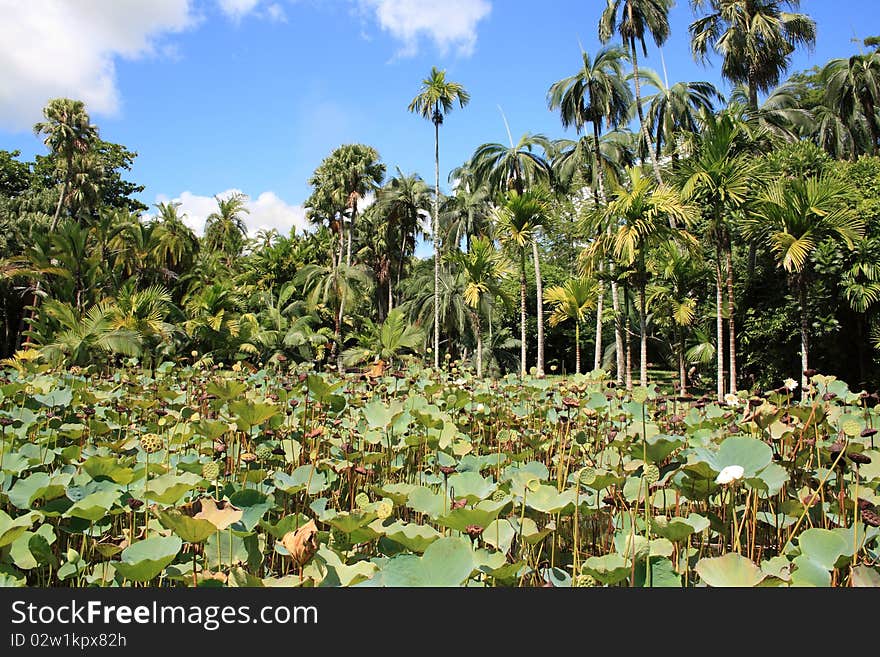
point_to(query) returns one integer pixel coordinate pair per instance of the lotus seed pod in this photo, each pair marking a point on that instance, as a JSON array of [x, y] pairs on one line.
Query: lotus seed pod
[[587, 475], [498, 495], [585, 581], [263, 452], [248, 457], [151, 443], [211, 470], [361, 500], [383, 510], [651, 474]]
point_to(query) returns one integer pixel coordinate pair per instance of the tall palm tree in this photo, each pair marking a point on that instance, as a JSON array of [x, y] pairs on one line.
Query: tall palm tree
[[484, 270], [571, 302], [437, 97], [793, 217], [225, 230], [403, 201], [645, 213], [175, 245], [633, 21], [755, 39], [465, 214], [517, 221], [721, 176], [515, 167], [68, 132], [676, 109], [852, 89]]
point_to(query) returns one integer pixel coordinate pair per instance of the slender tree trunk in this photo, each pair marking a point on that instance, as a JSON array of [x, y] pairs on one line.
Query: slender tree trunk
[[540, 296], [627, 335], [753, 92], [390, 296], [731, 328], [522, 313], [805, 334], [648, 140], [643, 336], [577, 347], [682, 376], [57, 216], [350, 231], [600, 302], [719, 326], [618, 328], [340, 367], [436, 231], [479, 345]]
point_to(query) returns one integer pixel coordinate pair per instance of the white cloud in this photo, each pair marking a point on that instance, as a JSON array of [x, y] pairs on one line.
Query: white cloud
[[50, 49], [448, 23], [237, 9], [267, 211]]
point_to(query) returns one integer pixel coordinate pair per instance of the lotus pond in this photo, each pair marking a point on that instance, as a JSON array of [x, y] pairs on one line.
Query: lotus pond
[[188, 476]]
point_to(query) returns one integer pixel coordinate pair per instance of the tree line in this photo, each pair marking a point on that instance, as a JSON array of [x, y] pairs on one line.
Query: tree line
[[731, 240]]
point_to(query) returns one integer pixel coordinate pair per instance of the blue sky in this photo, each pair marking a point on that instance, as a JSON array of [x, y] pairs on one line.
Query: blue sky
[[250, 95]]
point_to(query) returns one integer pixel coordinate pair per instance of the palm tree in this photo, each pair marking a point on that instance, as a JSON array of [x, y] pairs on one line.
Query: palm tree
[[386, 342], [516, 167], [571, 302], [465, 214], [852, 89], [794, 216], [174, 243], [68, 132], [633, 20], [225, 229], [674, 294], [780, 115], [517, 221], [676, 109], [596, 94], [330, 286], [755, 39], [484, 270], [403, 202], [646, 214], [721, 177], [436, 97], [85, 337]]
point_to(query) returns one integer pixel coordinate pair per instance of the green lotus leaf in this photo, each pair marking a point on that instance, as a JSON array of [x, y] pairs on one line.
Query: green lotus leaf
[[546, 499], [93, 507], [607, 569], [169, 488], [425, 501], [499, 534], [809, 573], [769, 480], [481, 515], [108, 467], [749, 453], [446, 562], [249, 414], [471, 486], [145, 559], [730, 570], [304, 475], [412, 536], [823, 546], [38, 486]]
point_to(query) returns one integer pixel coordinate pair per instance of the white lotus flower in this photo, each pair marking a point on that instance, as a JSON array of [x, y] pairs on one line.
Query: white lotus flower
[[731, 399], [790, 384], [730, 474], [480, 408]]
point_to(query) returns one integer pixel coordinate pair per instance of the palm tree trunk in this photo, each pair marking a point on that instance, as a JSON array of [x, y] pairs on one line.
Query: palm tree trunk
[[682, 376], [340, 367], [600, 302], [731, 329], [479, 345], [618, 327], [648, 140], [627, 336], [540, 297], [643, 336], [719, 327], [522, 313], [436, 230], [577, 347], [58, 206], [805, 334]]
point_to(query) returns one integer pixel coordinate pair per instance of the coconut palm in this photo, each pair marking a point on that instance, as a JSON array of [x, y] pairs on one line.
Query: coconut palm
[[596, 94], [633, 21], [516, 167], [517, 221], [780, 115], [755, 39], [437, 97], [676, 109], [646, 214], [225, 230], [68, 132], [721, 177], [484, 269], [852, 89], [571, 302], [465, 214], [174, 244], [793, 217]]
